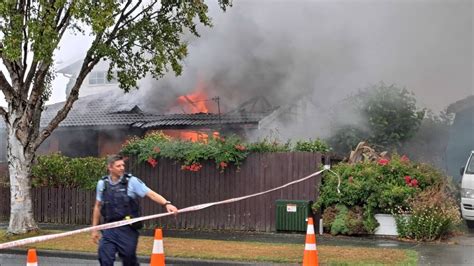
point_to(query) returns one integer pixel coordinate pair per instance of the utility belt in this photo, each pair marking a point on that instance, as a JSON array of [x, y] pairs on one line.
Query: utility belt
[[136, 225]]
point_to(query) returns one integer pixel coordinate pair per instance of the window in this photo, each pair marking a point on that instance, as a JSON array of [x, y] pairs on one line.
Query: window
[[470, 166], [100, 78]]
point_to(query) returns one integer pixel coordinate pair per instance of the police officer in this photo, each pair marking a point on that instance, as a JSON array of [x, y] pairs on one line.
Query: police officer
[[117, 199]]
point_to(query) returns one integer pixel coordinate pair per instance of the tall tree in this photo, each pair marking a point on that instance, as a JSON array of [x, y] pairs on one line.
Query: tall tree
[[386, 116], [137, 37]]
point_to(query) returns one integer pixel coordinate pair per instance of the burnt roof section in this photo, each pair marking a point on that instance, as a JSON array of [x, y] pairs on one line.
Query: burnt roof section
[[255, 105], [199, 120]]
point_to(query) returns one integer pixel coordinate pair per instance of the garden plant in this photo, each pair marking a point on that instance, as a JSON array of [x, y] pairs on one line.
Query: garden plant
[[417, 194]]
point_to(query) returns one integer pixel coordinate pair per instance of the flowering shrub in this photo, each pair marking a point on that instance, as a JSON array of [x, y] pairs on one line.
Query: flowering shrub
[[156, 144], [430, 215], [224, 151], [381, 186]]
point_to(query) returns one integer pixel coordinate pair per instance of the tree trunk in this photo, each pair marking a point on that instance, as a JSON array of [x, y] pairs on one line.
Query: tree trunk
[[19, 167]]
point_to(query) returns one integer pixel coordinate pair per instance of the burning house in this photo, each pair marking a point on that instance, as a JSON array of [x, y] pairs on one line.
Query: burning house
[[99, 124]]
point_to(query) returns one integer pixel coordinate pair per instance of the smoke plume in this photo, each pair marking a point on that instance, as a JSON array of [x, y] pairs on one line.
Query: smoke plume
[[322, 51]]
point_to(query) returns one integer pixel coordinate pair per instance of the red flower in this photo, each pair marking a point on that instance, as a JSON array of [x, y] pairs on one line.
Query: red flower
[[404, 159], [156, 149], [240, 147], [383, 161], [407, 179], [223, 165], [152, 161], [414, 183], [193, 167]]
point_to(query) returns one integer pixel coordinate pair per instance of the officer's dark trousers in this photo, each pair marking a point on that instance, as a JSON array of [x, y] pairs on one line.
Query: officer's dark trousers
[[123, 240]]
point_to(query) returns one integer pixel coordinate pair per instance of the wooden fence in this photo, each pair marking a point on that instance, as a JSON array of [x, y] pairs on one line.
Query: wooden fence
[[259, 172], [4, 203]]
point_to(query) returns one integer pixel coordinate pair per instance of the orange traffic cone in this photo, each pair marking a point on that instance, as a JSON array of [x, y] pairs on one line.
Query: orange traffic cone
[[158, 255], [32, 260], [310, 257]]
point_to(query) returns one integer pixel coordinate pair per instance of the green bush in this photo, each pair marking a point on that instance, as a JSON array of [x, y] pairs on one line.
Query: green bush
[[267, 145], [377, 187], [311, 146], [56, 170], [339, 225], [339, 219]]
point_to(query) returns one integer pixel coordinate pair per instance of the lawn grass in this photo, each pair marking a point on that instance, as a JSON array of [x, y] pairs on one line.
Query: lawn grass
[[237, 250]]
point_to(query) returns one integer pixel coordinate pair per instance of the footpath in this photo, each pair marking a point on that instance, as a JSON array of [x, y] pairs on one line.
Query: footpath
[[457, 251]]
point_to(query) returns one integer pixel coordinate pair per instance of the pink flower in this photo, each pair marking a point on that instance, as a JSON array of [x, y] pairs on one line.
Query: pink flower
[[414, 183], [223, 165], [404, 159], [240, 147], [156, 149], [383, 161], [193, 167], [152, 162], [407, 179]]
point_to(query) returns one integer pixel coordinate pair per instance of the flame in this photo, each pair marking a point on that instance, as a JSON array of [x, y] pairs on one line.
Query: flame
[[192, 135], [197, 101]]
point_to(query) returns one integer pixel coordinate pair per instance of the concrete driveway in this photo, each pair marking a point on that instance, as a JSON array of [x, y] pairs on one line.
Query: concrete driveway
[[460, 251]]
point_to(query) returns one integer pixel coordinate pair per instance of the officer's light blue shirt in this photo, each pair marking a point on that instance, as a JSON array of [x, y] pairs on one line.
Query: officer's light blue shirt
[[135, 187]]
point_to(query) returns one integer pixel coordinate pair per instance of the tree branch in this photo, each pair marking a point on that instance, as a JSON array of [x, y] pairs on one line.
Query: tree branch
[[126, 22], [124, 8], [60, 24], [86, 68], [39, 86], [6, 87], [9, 66], [4, 114], [25, 39]]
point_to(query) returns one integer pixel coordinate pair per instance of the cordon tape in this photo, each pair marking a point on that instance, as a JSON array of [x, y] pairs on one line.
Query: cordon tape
[[36, 239]]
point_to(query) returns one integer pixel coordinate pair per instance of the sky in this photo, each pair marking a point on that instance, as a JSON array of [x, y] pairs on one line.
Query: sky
[[329, 49]]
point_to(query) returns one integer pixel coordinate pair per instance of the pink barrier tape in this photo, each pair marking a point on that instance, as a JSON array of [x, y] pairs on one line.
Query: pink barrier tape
[[36, 239]]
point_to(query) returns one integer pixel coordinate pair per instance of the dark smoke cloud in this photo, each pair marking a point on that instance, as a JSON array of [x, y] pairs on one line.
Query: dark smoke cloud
[[326, 50]]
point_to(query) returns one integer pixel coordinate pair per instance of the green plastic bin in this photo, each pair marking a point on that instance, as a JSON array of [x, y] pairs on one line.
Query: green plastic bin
[[291, 215]]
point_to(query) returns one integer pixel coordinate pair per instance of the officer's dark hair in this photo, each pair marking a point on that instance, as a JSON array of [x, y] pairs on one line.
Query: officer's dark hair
[[111, 159]]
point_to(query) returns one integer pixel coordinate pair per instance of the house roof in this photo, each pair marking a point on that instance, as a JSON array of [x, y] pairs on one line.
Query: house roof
[[200, 119], [70, 68], [461, 104], [118, 110], [98, 110]]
